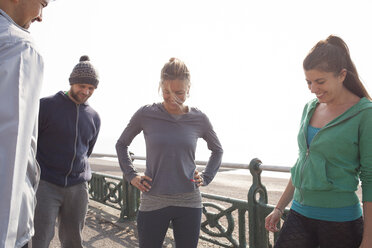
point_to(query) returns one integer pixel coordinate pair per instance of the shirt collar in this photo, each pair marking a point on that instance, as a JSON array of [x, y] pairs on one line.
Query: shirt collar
[[3, 13]]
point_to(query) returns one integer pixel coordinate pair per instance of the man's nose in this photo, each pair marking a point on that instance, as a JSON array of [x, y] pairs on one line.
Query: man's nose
[[39, 18]]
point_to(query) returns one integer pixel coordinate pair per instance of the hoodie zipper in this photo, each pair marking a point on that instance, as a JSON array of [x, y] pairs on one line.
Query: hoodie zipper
[[303, 167], [75, 142]]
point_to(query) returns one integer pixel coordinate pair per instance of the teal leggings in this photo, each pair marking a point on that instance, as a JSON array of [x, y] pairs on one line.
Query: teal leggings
[[153, 225]]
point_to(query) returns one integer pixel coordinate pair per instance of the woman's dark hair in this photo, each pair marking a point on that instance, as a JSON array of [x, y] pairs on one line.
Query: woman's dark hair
[[332, 55]]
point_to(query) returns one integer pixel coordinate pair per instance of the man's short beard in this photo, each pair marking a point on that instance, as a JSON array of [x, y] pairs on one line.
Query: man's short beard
[[75, 97]]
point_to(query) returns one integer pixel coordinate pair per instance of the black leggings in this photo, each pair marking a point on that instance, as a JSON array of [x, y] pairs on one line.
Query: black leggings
[[300, 231], [153, 225]]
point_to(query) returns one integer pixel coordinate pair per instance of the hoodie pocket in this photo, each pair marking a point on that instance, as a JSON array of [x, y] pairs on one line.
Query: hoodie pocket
[[315, 175]]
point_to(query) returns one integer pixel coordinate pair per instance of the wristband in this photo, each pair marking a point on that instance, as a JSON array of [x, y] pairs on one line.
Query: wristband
[[281, 211]]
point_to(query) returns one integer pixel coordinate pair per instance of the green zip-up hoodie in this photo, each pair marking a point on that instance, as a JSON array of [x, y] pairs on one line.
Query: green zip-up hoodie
[[327, 172]]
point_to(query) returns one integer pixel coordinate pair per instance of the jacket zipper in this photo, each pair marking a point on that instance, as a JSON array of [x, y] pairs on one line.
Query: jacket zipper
[[303, 167], [76, 135], [308, 150]]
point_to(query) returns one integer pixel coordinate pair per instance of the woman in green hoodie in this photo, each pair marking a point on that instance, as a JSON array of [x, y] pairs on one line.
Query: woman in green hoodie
[[335, 152]]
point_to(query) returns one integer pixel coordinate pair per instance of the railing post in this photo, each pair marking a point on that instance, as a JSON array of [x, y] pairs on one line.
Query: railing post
[[257, 195], [131, 198], [96, 187]]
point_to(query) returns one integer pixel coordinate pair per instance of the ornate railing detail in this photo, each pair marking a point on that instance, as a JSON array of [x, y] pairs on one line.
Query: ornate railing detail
[[111, 191], [218, 223], [106, 189]]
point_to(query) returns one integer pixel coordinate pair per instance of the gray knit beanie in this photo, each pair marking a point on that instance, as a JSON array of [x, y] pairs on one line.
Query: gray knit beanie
[[84, 73]]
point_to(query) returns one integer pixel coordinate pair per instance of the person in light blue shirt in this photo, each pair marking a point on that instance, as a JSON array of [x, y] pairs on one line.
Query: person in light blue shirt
[[21, 76]]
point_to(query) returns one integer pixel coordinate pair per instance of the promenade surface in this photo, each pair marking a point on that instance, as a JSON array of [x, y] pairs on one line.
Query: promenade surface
[[102, 230]]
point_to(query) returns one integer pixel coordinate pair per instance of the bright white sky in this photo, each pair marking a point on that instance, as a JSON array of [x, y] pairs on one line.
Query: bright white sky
[[245, 59]]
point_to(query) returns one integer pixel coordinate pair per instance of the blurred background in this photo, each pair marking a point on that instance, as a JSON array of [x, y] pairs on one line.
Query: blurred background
[[245, 59]]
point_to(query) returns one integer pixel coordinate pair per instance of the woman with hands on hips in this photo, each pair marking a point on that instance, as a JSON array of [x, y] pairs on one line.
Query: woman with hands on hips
[[335, 151], [170, 184]]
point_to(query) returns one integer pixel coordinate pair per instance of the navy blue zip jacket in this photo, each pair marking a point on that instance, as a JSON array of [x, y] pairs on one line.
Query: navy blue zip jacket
[[67, 134]]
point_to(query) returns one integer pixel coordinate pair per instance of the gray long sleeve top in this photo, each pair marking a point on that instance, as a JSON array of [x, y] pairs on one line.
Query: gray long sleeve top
[[170, 148]]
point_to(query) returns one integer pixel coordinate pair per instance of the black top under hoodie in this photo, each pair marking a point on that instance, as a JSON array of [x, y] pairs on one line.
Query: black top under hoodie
[[67, 134]]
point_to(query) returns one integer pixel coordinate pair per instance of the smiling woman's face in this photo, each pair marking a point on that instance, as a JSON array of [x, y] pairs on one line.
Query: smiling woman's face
[[325, 85]]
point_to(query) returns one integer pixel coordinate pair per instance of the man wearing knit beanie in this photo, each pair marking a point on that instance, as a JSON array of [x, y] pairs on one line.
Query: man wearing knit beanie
[[84, 73], [68, 130]]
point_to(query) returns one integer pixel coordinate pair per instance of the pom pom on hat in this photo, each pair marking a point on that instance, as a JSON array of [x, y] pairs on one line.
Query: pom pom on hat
[[84, 73], [84, 58]]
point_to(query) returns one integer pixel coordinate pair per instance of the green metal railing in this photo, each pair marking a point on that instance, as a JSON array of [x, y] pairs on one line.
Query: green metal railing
[[259, 208], [218, 224], [224, 219], [115, 192]]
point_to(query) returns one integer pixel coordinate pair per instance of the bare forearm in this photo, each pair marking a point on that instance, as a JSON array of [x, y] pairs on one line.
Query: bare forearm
[[287, 196], [273, 218], [367, 216]]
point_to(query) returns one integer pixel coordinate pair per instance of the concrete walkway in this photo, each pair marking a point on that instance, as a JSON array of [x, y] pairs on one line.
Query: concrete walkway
[[102, 230]]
